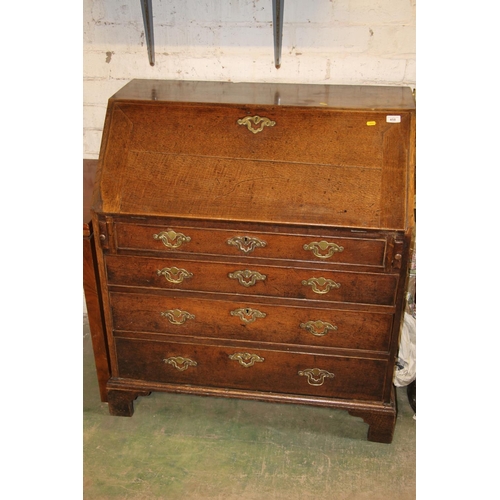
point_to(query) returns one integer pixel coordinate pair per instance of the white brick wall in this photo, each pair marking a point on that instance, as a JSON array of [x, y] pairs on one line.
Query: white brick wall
[[361, 42]]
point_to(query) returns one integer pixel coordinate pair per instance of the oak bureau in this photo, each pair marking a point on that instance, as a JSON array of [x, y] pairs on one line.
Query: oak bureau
[[252, 241]]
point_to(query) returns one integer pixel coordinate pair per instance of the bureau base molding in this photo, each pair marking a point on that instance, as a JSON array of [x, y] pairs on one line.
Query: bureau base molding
[[380, 417]]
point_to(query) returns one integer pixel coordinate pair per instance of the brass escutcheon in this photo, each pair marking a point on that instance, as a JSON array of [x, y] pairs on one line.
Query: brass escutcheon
[[247, 278], [255, 120], [176, 316], [247, 314], [315, 376], [174, 274], [180, 363], [171, 239], [321, 246], [246, 359], [318, 328], [321, 285], [246, 244]]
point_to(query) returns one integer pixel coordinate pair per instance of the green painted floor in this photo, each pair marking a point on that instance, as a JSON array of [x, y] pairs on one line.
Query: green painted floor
[[192, 447]]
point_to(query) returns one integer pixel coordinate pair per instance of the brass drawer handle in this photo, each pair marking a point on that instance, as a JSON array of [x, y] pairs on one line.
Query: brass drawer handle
[[315, 376], [246, 244], [176, 316], [247, 278], [180, 363], [249, 121], [246, 359], [247, 314], [319, 247], [321, 285], [171, 239], [318, 328], [174, 274]]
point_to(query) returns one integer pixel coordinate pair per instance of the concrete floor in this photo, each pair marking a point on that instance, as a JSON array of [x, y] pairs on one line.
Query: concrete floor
[[191, 447]]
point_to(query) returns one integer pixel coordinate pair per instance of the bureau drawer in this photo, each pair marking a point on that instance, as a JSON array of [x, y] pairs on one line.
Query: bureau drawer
[[259, 322], [258, 370], [193, 240], [283, 282]]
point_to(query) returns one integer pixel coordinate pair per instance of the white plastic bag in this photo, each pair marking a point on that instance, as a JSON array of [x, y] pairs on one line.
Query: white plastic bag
[[406, 363]]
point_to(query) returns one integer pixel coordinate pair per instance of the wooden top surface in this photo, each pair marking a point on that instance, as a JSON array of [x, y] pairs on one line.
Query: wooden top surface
[[282, 94]]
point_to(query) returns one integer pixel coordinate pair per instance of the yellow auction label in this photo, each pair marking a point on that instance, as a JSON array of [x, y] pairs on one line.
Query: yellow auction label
[[370, 124]]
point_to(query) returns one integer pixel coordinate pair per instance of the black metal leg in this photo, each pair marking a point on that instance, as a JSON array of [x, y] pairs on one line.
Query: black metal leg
[[278, 9], [147, 16]]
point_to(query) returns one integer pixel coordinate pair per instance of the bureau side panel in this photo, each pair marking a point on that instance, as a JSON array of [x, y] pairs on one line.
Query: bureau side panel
[[400, 303]]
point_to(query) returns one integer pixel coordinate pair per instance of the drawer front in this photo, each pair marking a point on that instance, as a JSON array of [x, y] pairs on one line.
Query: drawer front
[[252, 321], [259, 370], [320, 249], [313, 284], [320, 136]]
